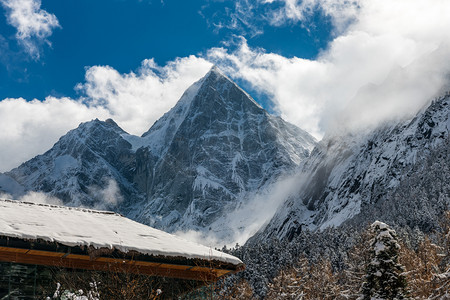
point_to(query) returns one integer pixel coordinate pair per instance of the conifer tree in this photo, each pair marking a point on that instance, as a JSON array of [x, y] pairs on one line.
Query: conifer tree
[[384, 277]]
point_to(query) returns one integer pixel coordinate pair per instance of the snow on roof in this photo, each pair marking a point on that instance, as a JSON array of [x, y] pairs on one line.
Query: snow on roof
[[84, 227]]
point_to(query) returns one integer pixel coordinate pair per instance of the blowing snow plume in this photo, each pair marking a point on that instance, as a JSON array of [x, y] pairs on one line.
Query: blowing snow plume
[[33, 197], [107, 197], [238, 226], [39, 197]]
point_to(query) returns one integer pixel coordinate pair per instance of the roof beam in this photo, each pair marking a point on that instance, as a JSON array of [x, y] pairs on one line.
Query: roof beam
[[76, 261]]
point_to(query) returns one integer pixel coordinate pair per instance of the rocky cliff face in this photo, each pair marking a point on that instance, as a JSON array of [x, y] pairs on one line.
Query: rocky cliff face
[[397, 173], [205, 158]]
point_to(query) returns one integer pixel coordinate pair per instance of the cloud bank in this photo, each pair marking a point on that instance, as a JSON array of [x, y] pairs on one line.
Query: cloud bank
[[31, 128], [33, 24], [391, 54]]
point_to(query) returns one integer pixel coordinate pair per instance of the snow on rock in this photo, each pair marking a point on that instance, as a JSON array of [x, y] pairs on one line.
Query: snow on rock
[[63, 164], [100, 229], [378, 224]]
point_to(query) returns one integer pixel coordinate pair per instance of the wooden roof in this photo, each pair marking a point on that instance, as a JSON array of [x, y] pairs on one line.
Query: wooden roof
[[26, 237]]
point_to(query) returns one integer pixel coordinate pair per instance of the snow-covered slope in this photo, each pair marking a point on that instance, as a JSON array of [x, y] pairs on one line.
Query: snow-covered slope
[[90, 166], [204, 159], [357, 176]]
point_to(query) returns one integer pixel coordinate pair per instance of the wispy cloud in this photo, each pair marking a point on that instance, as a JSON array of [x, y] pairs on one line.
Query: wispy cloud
[[242, 17], [239, 225], [341, 13], [107, 197], [33, 197], [248, 18], [33, 24]]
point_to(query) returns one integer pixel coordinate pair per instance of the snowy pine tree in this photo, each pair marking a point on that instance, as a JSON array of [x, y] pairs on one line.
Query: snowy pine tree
[[384, 277]]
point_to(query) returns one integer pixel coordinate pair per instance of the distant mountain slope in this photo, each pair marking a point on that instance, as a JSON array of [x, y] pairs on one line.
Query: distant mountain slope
[[359, 177], [87, 160], [205, 158]]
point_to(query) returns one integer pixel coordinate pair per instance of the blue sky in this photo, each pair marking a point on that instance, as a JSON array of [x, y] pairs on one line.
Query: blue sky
[[122, 33], [63, 62]]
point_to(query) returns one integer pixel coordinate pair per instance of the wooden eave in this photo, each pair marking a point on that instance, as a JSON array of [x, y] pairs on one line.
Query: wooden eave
[[56, 255]]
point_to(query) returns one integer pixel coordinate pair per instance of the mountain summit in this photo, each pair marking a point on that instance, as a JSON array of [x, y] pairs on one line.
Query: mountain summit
[[205, 158], [211, 153]]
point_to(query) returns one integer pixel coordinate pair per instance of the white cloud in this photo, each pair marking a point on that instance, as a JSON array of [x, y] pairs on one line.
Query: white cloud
[[33, 24], [249, 17], [4, 195], [30, 128]]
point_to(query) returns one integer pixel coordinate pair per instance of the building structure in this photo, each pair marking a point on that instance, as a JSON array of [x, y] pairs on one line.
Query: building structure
[[40, 244]]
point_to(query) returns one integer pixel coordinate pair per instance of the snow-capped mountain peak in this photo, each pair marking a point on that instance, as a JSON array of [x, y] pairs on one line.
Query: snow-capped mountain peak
[[211, 151], [203, 97]]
